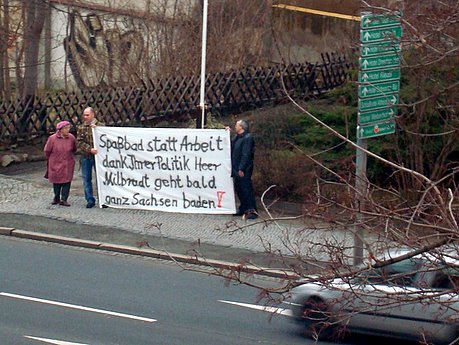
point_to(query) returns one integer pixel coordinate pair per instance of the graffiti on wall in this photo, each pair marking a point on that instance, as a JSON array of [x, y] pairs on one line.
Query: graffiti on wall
[[101, 56]]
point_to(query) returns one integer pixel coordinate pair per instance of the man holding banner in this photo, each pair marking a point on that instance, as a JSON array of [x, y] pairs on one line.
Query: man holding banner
[[242, 154], [88, 151]]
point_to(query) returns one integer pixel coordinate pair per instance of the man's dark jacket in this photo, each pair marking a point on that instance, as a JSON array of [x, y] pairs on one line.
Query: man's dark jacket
[[242, 153]]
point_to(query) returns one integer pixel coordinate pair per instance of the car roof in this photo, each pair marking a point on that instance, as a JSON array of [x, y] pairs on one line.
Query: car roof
[[446, 254]]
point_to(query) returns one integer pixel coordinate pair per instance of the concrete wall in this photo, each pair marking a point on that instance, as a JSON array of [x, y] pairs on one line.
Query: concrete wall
[[120, 23], [298, 36], [303, 36], [130, 7]]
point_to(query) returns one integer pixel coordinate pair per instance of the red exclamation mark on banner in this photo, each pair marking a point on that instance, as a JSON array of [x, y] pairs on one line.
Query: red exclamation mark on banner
[[219, 198]]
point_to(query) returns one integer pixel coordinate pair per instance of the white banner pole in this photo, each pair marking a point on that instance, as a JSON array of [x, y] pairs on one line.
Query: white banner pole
[[203, 62]]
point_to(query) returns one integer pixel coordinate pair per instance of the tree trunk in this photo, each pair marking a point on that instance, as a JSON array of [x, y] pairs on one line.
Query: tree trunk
[[35, 14], [3, 50], [5, 86], [48, 48]]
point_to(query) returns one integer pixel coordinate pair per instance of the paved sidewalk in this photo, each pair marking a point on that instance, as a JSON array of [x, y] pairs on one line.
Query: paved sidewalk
[[25, 198]]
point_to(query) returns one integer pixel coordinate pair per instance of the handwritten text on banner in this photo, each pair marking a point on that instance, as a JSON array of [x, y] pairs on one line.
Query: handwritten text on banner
[[166, 169]]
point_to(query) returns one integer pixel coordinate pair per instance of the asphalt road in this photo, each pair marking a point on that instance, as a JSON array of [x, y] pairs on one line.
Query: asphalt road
[[51, 293]]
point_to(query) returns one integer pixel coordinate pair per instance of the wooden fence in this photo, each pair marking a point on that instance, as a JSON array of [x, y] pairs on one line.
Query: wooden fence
[[173, 98]]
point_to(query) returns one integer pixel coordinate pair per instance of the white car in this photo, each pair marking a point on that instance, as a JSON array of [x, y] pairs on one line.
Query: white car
[[415, 298]]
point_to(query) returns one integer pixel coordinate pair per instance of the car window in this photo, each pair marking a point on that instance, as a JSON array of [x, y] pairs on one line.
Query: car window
[[402, 273], [447, 278]]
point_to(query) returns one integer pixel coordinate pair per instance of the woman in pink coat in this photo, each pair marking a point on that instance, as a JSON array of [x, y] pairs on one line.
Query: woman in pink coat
[[59, 151]]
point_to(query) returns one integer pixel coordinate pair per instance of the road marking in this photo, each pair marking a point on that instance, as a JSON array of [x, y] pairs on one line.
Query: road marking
[[273, 310], [52, 341], [78, 307]]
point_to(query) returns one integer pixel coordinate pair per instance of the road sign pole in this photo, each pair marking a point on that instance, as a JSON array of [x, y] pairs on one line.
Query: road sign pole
[[379, 86], [361, 184]]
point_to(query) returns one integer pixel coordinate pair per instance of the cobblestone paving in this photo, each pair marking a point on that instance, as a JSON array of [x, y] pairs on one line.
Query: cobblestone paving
[[31, 195]]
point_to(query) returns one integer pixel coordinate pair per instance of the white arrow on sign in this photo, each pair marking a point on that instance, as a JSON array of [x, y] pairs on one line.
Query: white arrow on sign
[[365, 63], [365, 77], [365, 91], [366, 36], [394, 99], [52, 341]]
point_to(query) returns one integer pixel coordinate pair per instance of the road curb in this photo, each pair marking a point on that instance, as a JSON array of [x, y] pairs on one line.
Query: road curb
[[6, 231], [148, 252], [55, 238]]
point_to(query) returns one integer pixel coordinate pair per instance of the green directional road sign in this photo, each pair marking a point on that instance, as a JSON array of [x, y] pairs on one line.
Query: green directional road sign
[[379, 73], [379, 102], [371, 21], [390, 34], [382, 48], [379, 62], [376, 116], [376, 130], [370, 90], [378, 76]]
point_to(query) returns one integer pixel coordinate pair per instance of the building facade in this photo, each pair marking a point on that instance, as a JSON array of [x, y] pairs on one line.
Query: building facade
[[101, 43]]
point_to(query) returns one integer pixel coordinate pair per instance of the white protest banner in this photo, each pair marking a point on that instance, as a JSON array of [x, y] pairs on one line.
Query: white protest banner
[[165, 169]]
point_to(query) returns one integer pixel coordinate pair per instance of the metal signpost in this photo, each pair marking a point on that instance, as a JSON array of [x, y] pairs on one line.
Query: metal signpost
[[379, 86]]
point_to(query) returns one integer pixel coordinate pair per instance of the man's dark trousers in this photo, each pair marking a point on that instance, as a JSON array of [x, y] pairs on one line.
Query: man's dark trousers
[[244, 191]]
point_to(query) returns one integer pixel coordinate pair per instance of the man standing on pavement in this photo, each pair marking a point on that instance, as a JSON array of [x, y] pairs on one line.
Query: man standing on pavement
[[242, 153], [86, 146]]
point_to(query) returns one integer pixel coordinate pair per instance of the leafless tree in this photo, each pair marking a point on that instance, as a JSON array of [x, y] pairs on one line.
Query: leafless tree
[[236, 37], [10, 31], [416, 208], [34, 15], [4, 15]]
